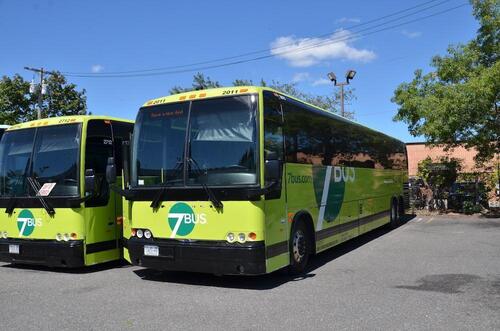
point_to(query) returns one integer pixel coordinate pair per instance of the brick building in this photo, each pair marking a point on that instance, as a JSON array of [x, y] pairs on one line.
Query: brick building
[[419, 151]]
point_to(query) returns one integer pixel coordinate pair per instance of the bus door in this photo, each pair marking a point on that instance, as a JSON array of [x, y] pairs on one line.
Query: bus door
[[100, 212], [277, 227], [121, 137]]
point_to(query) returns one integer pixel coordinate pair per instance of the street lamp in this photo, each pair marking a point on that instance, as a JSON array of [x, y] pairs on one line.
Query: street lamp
[[348, 77]]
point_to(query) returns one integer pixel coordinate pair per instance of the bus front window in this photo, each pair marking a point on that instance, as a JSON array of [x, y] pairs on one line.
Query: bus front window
[[47, 155], [221, 143]]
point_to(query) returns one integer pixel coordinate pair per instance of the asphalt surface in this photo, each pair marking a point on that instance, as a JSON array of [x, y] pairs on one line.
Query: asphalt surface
[[432, 273]]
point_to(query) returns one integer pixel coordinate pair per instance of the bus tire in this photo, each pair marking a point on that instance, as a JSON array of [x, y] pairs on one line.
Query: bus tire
[[401, 210], [300, 248], [394, 214]]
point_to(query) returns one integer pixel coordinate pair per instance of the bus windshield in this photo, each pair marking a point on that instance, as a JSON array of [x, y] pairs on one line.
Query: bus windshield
[[220, 137], [46, 155]]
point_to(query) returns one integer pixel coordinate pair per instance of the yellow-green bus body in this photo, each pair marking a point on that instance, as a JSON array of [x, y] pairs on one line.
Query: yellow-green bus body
[[336, 197], [65, 226]]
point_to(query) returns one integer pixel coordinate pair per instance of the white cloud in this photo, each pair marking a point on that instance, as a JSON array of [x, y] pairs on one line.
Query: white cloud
[[348, 20], [411, 34], [321, 81], [96, 68], [305, 52], [300, 76]]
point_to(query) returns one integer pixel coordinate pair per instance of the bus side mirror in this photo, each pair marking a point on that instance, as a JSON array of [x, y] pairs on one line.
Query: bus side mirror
[[89, 181], [272, 168], [111, 171], [272, 176]]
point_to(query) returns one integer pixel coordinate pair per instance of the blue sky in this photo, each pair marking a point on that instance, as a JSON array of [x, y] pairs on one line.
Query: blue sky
[[108, 36]]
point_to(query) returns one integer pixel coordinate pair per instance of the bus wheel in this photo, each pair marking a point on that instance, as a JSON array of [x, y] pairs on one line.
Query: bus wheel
[[300, 248], [394, 214]]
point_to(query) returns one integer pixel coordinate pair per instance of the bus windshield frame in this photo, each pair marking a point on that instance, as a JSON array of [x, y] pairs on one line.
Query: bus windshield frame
[[204, 142], [46, 155]]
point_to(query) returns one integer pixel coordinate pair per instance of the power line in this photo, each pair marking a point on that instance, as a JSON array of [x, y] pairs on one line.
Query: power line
[[327, 42], [276, 48]]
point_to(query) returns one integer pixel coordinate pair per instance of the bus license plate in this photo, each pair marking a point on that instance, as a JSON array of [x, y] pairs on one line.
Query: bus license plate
[[151, 250], [14, 249]]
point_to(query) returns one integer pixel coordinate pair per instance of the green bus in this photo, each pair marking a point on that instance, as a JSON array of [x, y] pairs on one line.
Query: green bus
[[247, 180], [57, 207]]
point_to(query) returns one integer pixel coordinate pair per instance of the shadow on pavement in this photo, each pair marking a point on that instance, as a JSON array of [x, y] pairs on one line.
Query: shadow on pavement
[[269, 281], [83, 270]]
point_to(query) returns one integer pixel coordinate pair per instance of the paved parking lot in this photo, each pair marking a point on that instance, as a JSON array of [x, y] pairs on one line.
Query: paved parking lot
[[431, 273]]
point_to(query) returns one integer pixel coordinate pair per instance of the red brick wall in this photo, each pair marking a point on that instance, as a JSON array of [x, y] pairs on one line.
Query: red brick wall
[[418, 152]]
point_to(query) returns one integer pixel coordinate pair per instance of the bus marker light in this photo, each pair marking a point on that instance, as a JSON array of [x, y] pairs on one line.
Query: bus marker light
[[182, 98], [252, 236], [202, 95], [119, 220]]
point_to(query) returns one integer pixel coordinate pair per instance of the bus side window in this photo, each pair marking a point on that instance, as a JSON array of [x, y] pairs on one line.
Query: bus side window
[[99, 147], [273, 126]]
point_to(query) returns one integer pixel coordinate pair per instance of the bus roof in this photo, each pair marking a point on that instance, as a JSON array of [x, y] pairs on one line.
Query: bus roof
[[235, 90], [64, 120]]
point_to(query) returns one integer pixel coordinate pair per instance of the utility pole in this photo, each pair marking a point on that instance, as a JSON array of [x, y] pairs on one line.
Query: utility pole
[[42, 87], [348, 76]]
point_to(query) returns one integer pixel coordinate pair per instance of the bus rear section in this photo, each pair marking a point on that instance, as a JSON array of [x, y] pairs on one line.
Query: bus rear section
[[246, 180], [57, 208]]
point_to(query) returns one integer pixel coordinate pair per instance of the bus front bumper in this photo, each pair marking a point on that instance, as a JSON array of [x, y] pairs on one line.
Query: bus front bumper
[[50, 253], [216, 257]]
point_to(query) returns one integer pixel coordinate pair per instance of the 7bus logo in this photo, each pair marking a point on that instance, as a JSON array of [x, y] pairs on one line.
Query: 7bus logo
[[182, 219], [26, 223], [344, 174]]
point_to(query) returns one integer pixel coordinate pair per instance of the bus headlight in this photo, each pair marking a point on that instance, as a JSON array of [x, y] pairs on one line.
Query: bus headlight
[[59, 237], [4, 235], [66, 237], [147, 234], [230, 237], [241, 237], [139, 233]]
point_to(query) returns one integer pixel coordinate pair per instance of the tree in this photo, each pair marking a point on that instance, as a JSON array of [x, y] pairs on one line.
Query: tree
[[322, 101], [18, 105], [200, 82], [458, 102]]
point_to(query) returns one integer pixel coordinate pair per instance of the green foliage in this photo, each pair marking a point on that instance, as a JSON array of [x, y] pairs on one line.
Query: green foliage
[[469, 207], [441, 174], [200, 82], [18, 105], [458, 103]]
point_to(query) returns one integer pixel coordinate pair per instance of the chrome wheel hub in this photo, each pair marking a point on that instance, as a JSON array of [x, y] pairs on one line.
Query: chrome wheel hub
[[299, 246]]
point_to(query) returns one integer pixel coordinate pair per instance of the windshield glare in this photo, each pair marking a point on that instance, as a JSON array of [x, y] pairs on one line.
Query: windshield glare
[[47, 154], [221, 143]]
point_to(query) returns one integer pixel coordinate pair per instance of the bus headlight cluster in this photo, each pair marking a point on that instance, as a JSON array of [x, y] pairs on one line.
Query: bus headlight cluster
[[142, 233], [65, 236], [4, 234], [240, 237]]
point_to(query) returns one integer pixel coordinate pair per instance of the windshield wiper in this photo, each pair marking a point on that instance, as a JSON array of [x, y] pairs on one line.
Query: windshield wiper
[[155, 204], [11, 205], [35, 185], [210, 193]]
